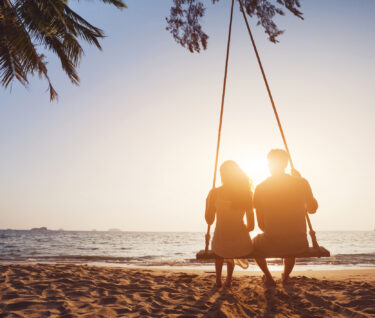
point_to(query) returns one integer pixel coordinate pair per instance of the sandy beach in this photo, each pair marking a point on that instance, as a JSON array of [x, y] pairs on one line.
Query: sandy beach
[[45, 290]]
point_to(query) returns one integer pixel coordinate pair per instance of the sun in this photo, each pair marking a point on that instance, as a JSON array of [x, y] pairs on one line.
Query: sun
[[256, 169]]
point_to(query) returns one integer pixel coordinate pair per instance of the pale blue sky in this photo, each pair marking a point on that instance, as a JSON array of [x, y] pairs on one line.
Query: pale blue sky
[[133, 146]]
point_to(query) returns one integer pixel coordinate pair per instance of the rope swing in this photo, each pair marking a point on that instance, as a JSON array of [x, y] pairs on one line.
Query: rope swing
[[316, 251]]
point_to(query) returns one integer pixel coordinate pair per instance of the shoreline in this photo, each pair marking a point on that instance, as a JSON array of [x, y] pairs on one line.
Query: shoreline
[[66, 290], [195, 267], [253, 271]]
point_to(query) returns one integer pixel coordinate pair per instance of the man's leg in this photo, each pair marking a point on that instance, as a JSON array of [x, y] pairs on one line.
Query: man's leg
[[262, 263], [219, 267], [230, 269], [288, 267]]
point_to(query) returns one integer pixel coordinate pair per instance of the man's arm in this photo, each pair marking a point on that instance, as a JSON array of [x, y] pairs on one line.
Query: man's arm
[[311, 202], [210, 208]]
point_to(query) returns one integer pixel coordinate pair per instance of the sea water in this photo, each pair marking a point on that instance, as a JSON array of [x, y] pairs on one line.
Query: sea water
[[178, 249]]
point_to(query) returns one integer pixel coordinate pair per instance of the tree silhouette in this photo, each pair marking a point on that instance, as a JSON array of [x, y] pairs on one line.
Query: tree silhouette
[[26, 25], [185, 17]]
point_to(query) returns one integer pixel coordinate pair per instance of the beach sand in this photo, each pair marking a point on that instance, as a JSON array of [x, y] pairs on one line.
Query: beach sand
[[46, 290]]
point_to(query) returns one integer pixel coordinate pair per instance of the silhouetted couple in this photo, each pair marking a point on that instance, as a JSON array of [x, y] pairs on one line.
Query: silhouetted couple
[[280, 201]]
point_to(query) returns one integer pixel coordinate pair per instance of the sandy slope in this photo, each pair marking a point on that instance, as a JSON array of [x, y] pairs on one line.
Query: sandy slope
[[89, 291]]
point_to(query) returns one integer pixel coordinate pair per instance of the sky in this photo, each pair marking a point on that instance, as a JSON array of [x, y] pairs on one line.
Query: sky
[[133, 146]]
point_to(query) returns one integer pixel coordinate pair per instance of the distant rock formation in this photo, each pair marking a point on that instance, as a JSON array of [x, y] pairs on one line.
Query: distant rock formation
[[42, 228]]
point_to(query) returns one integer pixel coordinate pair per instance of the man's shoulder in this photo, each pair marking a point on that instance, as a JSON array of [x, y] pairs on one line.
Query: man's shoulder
[[300, 180], [305, 185]]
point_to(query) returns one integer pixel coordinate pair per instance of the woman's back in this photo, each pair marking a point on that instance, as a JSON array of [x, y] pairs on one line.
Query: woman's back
[[228, 217]]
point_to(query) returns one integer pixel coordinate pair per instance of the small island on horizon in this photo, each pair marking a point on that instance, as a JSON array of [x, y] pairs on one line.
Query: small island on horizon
[[42, 228]]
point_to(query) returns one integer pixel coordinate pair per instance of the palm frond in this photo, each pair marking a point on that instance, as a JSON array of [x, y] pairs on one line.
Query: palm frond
[[25, 25]]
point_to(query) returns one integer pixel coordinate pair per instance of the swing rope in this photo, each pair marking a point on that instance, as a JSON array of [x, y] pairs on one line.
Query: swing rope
[[207, 237], [221, 114]]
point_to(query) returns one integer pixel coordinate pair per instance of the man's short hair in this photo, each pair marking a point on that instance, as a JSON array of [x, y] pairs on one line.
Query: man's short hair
[[278, 156]]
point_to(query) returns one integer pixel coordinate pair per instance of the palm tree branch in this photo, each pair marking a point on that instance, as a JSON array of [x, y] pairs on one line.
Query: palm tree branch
[[27, 24]]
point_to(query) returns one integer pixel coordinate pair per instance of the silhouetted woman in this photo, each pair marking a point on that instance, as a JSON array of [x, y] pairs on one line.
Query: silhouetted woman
[[229, 203]]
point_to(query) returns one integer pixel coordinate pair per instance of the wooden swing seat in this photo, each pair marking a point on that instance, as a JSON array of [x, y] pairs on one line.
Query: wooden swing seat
[[309, 252]]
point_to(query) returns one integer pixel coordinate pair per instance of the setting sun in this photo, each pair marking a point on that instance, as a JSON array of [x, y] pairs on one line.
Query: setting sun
[[256, 169]]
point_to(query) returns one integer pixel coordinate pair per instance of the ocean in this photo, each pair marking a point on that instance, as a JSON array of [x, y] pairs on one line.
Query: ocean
[[163, 249]]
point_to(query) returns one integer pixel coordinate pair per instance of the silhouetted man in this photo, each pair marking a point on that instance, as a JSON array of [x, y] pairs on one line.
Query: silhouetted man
[[281, 202]]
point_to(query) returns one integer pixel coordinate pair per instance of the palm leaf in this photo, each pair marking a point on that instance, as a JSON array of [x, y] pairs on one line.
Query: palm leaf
[[27, 25]]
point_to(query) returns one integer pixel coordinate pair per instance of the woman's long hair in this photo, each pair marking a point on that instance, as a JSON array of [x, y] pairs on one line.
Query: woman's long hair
[[237, 182]]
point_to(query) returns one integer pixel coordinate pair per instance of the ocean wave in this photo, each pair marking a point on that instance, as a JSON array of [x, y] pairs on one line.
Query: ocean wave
[[154, 260]]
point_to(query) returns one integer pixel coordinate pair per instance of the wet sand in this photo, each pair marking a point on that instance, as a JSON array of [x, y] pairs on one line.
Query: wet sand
[[45, 290]]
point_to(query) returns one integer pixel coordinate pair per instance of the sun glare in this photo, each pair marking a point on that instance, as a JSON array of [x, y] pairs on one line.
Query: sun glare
[[257, 170]]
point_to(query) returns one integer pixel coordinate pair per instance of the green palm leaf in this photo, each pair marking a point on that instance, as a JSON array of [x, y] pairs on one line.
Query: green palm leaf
[[26, 25]]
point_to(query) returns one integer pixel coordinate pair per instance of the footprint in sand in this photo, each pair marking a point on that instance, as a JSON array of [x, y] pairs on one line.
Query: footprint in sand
[[108, 300]]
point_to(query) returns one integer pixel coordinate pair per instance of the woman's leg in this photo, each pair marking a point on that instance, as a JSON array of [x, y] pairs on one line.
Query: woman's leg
[[230, 269], [219, 267]]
